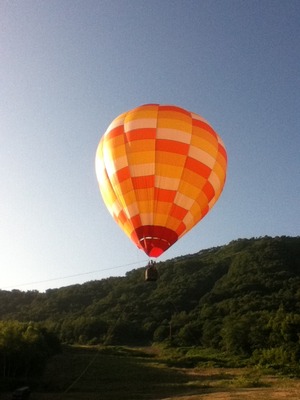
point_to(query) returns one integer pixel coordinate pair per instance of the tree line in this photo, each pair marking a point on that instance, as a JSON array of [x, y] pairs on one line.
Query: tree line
[[24, 350], [242, 298]]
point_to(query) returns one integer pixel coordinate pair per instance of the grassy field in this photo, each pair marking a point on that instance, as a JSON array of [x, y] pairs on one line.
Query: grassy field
[[84, 373]]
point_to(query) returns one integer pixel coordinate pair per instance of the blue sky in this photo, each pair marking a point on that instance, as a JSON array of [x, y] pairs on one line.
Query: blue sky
[[68, 68]]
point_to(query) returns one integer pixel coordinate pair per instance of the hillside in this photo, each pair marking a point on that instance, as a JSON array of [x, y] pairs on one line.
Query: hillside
[[243, 298]]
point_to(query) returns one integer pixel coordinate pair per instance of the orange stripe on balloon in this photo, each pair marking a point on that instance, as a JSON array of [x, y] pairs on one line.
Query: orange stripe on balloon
[[173, 109], [123, 174], [119, 130], [222, 151], [204, 126], [122, 217], [143, 182], [141, 134], [136, 221], [181, 229], [164, 195], [208, 190], [198, 167], [172, 146], [178, 212]]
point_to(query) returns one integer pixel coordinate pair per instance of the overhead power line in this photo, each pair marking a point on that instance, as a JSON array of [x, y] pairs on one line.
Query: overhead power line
[[73, 276]]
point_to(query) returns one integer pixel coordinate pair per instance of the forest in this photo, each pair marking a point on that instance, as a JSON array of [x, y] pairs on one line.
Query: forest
[[242, 299]]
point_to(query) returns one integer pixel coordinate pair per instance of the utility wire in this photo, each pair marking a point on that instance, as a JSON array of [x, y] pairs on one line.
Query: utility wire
[[74, 275], [80, 376], [76, 380]]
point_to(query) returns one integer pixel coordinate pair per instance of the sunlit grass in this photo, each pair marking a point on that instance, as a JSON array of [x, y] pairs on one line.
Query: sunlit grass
[[110, 373]]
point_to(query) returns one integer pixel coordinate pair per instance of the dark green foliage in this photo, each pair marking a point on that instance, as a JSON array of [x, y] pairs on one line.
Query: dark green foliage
[[24, 350], [242, 298]]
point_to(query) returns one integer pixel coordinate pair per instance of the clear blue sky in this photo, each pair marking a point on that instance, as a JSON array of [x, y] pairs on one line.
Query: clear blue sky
[[69, 67]]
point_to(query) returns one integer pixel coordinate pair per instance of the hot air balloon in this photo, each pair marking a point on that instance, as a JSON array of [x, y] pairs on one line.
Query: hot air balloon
[[160, 170]]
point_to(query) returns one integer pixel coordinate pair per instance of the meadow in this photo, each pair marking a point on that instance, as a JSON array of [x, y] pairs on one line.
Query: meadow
[[110, 373]]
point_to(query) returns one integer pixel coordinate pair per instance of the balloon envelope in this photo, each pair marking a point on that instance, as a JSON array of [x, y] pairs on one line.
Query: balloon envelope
[[160, 169]]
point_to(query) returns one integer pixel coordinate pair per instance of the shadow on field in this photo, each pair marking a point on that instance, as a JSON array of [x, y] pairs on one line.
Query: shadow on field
[[110, 374]]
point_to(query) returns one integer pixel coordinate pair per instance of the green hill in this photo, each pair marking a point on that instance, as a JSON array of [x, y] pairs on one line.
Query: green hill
[[242, 298]]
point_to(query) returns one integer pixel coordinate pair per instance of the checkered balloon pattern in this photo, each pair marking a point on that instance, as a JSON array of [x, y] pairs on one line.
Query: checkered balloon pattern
[[160, 169]]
